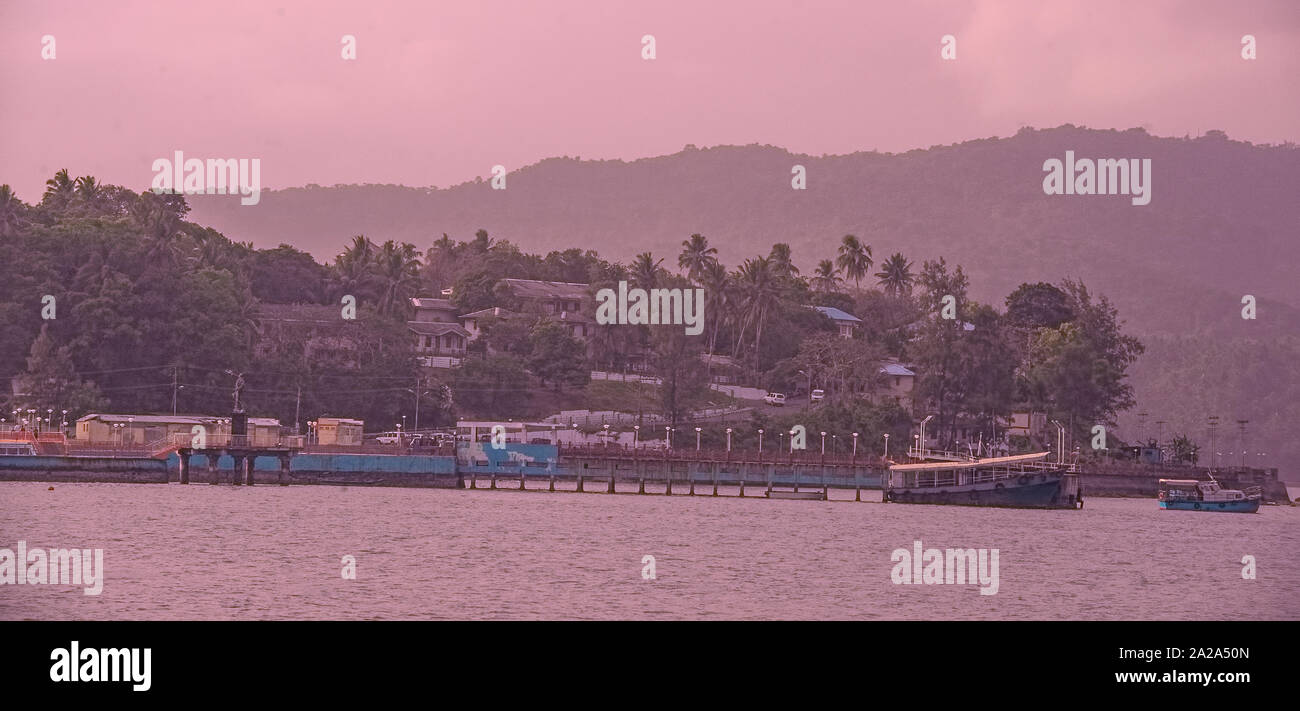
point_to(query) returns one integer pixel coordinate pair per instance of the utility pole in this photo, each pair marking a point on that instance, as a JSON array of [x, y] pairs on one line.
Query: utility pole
[[297, 409], [174, 376]]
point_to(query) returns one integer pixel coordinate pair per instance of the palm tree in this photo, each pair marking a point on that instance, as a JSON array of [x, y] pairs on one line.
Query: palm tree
[[717, 286], [645, 270], [854, 259], [10, 212], [354, 268], [59, 189], [896, 275], [88, 189], [397, 267], [782, 264], [161, 223], [758, 293], [827, 277], [696, 256]]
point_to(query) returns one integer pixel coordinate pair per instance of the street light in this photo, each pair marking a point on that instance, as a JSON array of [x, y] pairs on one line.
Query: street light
[[760, 440], [636, 430], [823, 443], [855, 444], [606, 427], [697, 439], [1060, 442], [921, 440], [886, 446], [728, 439], [668, 440]]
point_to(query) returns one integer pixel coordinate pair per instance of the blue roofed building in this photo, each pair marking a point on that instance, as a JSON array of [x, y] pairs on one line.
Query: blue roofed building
[[844, 321]]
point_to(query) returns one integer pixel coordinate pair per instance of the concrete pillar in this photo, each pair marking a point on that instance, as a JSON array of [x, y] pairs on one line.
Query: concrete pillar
[[184, 466], [249, 465], [237, 474], [640, 489], [715, 478], [580, 483], [284, 471], [494, 480], [552, 483], [612, 472], [521, 478], [214, 469], [473, 479]]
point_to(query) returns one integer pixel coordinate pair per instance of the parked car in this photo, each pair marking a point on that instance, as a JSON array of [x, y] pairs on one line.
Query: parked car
[[777, 399], [387, 438], [817, 395]]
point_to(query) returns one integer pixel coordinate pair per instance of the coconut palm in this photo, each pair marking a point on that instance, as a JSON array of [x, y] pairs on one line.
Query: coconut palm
[[759, 292], [59, 189], [160, 220], [854, 259], [10, 212], [645, 270], [696, 256], [717, 287], [896, 275], [353, 269], [397, 269], [782, 264], [826, 277], [88, 190]]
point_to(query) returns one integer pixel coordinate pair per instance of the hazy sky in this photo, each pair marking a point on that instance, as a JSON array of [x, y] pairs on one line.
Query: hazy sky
[[440, 92]]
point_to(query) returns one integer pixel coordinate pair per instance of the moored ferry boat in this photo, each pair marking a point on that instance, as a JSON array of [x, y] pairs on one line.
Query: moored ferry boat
[[1018, 481], [1196, 495]]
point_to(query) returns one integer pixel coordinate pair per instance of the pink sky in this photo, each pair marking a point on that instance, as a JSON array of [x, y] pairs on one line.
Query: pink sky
[[440, 92]]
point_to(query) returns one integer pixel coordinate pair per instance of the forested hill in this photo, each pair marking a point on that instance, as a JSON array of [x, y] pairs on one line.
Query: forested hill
[[1222, 223]]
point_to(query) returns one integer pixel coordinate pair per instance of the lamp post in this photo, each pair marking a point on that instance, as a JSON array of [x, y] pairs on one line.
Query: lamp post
[[886, 446], [855, 445], [823, 443], [760, 440], [1060, 442], [606, 428], [728, 439], [668, 440], [921, 439], [636, 430], [697, 439]]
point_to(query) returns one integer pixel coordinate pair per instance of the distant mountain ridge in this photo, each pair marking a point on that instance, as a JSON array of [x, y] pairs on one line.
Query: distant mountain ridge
[[1222, 223]]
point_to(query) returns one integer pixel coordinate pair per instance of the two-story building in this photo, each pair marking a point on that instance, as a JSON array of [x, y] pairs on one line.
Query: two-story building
[[440, 340], [565, 302], [281, 328]]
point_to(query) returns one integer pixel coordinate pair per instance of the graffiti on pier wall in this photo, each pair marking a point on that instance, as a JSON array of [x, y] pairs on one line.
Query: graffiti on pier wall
[[513, 457]]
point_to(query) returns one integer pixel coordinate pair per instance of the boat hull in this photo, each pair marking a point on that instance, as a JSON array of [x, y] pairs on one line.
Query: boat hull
[[1243, 506], [1036, 491]]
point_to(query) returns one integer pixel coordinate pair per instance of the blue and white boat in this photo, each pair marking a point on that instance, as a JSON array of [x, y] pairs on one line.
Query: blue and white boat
[[1195, 495]]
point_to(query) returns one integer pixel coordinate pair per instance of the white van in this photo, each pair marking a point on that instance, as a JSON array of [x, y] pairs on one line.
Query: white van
[[777, 399]]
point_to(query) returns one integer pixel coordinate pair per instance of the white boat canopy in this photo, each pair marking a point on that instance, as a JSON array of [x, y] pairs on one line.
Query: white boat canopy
[[947, 466]]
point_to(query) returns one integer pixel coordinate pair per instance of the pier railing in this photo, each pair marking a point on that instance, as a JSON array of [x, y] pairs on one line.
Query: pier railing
[[622, 451]]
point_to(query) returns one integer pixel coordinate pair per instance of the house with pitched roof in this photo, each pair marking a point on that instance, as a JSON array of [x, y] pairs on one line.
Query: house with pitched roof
[[846, 322]]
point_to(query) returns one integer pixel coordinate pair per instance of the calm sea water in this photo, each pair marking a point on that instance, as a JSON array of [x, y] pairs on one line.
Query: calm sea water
[[267, 552]]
